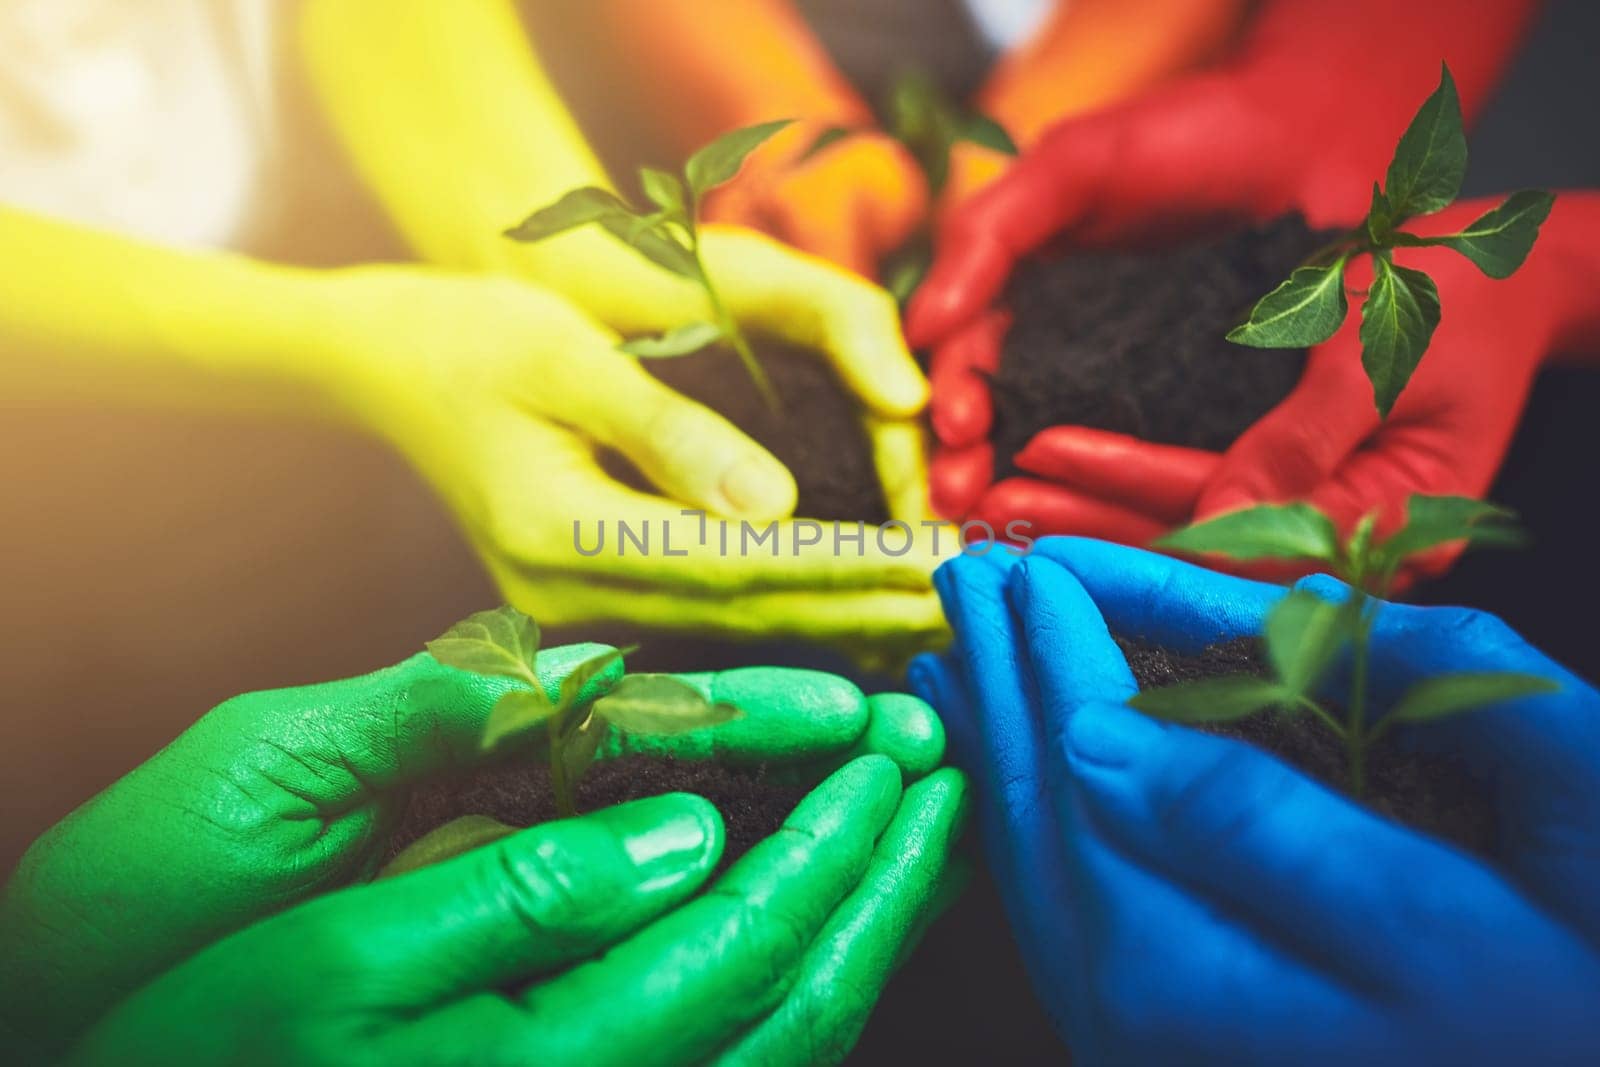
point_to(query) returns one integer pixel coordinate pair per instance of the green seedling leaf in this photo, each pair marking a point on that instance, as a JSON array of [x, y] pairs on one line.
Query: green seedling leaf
[[1452, 694], [664, 190], [1432, 521], [502, 643], [1359, 546], [1380, 217], [721, 159], [1431, 158], [1397, 322], [1303, 635], [824, 140], [446, 842], [660, 704], [1211, 699], [574, 684], [1265, 531], [679, 341], [516, 713], [986, 132], [641, 226], [662, 250], [577, 208], [580, 745], [1499, 241], [1305, 310]]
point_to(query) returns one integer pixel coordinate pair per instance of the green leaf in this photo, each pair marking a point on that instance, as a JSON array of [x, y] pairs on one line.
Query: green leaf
[[985, 131], [573, 685], [824, 140], [1265, 531], [906, 269], [664, 190], [1432, 521], [577, 208], [1211, 699], [446, 842], [679, 341], [515, 713], [580, 744], [1397, 322], [1358, 546], [1380, 218], [1451, 694], [660, 704], [1305, 310], [662, 250], [722, 158], [502, 643], [1303, 634], [1499, 241], [1431, 158]]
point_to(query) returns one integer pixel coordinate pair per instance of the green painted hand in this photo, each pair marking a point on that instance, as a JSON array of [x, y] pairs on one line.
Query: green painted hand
[[277, 797], [415, 969]]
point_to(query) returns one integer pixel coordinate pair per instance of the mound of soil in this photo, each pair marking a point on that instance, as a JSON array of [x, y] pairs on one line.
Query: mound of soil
[[752, 804], [817, 433], [1430, 792], [1136, 341]]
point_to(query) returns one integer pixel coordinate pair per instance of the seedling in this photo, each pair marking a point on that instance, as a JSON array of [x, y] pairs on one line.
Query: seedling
[[1305, 635], [1401, 309], [929, 124], [668, 236], [504, 643]]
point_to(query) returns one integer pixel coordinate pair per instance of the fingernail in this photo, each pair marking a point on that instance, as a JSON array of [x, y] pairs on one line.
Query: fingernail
[[668, 837], [759, 486], [1109, 736]]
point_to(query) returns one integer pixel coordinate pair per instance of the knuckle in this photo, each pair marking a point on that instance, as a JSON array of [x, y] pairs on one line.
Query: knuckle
[[539, 887]]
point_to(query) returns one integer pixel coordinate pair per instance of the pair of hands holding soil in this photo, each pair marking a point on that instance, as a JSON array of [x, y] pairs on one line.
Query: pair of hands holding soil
[[1299, 119], [1185, 898], [216, 903]]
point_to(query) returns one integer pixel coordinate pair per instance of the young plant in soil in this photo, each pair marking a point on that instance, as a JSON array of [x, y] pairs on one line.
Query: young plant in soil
[[668, 236], [929, 124], [504, 643], [1304, 635], [1401, 308]]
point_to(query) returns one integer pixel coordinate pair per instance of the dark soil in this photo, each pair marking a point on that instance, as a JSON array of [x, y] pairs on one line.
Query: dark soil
[[817, 433], [1135, 341], [1427, 791], [753, 805]]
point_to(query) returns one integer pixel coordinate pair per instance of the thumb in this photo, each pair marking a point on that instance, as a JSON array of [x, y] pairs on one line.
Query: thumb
[[1297, 446], [532, 902], [685, 449]]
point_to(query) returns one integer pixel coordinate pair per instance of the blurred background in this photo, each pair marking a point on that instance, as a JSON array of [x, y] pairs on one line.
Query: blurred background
[[153, 563]]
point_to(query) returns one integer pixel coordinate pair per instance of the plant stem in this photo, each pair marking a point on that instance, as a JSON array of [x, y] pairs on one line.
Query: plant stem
[[1320, 712], [1355, 737], [730, 329], [565, 808]]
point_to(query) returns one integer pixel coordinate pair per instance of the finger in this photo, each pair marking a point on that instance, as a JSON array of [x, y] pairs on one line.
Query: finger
[[624, 536], [1022, 835], [826, 229], [960, 409], [899, 726], [861, 619], [1072, 656], [854, 324], [899, 455], [936, 680], [1049, 509], [1161, 481], [845, 969], [1228, 823], [1156, 598], [789, 715], [957, 478], [686, 450], [1298, 445], [532, 902], [694, 979]]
